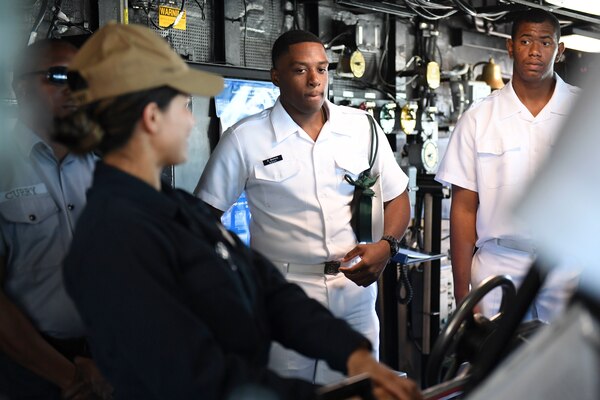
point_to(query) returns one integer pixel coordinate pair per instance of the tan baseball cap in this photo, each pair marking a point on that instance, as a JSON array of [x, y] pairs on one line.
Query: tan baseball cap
[[119, 59]]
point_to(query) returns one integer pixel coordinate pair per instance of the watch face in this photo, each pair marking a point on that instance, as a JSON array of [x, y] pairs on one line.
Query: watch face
[[429, 156]]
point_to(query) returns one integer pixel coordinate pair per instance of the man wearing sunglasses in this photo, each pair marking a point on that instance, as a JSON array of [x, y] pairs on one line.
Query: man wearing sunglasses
[[42, 192]]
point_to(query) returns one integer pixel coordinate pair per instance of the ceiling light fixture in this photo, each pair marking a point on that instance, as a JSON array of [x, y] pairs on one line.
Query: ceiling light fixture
[[581, 40], [586, 6]]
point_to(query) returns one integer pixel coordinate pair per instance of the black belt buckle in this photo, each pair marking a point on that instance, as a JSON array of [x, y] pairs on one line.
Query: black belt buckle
[[331, 267]]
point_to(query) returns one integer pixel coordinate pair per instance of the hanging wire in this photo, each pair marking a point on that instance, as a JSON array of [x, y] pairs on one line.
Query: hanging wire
[[427, 11], [330, 42], [439, 53], [59, 20], [412, 60], [433, 11], [245, 20], [56, 11], [296, 18], [404, 294], [465, 8], [408, 82], [366, 85], [432, 5], [384, 54], [38, 21], [472, 12], [202, 6]]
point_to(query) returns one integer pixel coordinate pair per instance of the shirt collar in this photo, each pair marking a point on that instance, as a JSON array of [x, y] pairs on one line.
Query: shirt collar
[[339, 124], [284, 125], [513, 105], [144, 196], [26, 139], [561, 91]]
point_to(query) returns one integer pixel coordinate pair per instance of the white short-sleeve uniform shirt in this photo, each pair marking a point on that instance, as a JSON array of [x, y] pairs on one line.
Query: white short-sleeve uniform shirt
[[295, 186], [495, 150], [300, 205]]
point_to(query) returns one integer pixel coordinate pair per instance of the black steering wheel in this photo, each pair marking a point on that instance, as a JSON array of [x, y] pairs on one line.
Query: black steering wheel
[[462, 338]]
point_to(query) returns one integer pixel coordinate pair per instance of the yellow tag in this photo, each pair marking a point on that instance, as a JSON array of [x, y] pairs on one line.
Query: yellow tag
[[168, 15]]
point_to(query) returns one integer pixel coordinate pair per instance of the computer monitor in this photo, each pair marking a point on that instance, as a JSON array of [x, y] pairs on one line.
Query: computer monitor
[[241, 98]]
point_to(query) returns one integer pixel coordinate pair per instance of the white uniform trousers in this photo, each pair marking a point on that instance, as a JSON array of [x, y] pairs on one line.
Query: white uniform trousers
[[355, 304], [492, 259]]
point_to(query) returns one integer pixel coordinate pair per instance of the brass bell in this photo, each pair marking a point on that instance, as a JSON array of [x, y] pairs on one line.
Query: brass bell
[[492, 75]]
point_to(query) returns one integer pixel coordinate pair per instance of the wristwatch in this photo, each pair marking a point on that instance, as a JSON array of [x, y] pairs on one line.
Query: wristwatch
[[393, 242]]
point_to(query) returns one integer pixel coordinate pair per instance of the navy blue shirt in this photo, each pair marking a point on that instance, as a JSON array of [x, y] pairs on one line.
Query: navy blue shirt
[[177, 308]]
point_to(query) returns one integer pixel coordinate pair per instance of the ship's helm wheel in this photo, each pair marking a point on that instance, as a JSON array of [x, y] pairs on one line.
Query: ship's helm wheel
[[462, 338]]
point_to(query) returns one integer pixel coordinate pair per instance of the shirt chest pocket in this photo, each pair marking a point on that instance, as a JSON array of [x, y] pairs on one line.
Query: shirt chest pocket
[[33, 230], [502, 162], [276, 183], [276, 170], [351, 165]]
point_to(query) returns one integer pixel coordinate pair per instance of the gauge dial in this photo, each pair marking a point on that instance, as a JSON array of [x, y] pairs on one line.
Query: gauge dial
[[429, 156], [387, 118], [408, 118], [357, 64]]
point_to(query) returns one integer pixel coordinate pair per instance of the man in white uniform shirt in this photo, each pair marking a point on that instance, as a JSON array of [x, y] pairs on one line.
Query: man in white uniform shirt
[[291, 160], [494, 152]]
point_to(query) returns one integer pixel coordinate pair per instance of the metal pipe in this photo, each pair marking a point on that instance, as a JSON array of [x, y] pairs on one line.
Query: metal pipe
[[124, 12], [427, 244]]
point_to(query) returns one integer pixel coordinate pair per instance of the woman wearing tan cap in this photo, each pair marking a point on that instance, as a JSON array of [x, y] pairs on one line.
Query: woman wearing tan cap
[[175, 306]]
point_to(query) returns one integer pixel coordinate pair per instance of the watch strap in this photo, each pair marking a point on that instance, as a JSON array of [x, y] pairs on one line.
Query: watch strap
[[393, 242]]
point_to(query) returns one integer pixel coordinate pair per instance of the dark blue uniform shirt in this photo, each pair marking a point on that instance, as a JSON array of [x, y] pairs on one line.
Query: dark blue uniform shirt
[[176, 308]]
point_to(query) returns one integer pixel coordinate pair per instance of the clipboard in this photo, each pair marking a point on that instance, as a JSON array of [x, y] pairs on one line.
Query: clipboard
[[406, 256]]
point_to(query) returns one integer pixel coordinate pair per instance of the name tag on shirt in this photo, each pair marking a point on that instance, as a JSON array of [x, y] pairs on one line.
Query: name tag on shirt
[[272, 160], [24, 191]]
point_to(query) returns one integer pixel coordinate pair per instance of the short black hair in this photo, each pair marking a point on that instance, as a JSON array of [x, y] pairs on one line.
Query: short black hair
[[283, 42], [537, 16]]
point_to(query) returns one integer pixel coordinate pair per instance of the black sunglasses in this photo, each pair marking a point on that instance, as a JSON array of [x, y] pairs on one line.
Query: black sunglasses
[[56, 75]]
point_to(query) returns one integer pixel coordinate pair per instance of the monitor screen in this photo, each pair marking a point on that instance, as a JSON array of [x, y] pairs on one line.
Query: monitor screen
[[241, 98]]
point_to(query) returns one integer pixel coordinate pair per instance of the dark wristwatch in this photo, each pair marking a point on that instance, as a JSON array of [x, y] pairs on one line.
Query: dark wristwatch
[[394, 244]]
